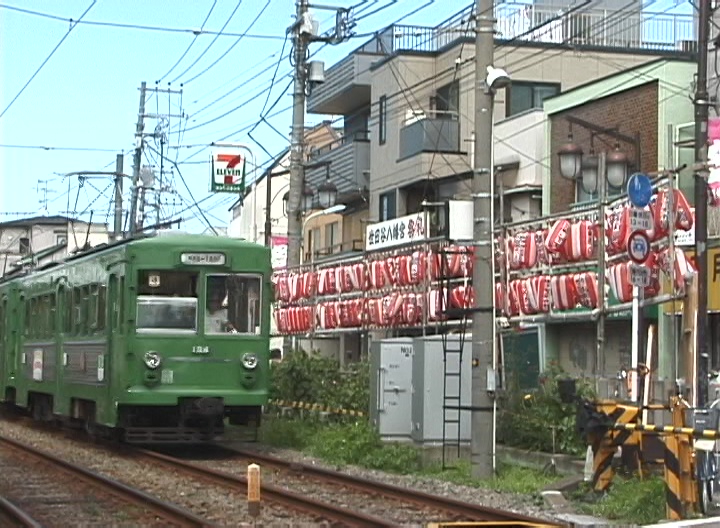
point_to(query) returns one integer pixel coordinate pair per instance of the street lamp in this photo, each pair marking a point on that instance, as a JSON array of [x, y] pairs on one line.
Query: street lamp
[[616, 167], [574, 167], [327, 194], [570, 156]]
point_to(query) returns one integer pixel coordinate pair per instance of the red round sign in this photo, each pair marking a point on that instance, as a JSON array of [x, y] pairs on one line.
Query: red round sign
[[638, 247]]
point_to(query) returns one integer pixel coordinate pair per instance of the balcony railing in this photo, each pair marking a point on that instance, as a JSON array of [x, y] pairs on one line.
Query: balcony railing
[[346, 161], [633, 29], [439, 133], [326, 253], [360, 135]]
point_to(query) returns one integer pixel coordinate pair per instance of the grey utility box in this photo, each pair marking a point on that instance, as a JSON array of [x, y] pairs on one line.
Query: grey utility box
[[428, 377], [391, 368]]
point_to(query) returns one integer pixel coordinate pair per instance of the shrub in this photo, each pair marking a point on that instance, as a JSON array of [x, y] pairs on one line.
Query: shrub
[[528, 420], [311, 378]]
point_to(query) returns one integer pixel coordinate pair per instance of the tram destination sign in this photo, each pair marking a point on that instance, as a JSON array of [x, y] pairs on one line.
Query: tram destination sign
[[203, 259], [396, 232]]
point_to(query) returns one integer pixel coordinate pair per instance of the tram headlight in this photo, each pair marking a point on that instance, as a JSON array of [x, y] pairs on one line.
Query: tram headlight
[[249, 361], [152, 360]]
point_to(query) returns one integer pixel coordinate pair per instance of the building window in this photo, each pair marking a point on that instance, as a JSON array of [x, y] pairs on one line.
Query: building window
[[447, 101], [526, 96], [332, 236], [382, 120], [60, 240], [388, 206], [24, 248]]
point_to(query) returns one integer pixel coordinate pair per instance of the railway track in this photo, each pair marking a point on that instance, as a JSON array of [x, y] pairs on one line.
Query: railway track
[[43, 490], [456, 510], [13, 516], [372, 503], [280, 496]]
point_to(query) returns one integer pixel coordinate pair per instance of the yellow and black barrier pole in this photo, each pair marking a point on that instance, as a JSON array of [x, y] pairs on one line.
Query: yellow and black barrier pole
[[605, 446]]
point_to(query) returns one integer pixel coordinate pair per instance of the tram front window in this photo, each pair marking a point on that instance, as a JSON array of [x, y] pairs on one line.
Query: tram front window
[[167, 302], [233, 304]]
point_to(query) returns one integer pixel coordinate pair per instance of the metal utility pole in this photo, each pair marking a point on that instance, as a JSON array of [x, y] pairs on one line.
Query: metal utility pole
[[701, 202], [137, 160], [483, 330], [297, 140], [117, 220]]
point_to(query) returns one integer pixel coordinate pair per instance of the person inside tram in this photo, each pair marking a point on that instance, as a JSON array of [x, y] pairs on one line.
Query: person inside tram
[[216, 313]]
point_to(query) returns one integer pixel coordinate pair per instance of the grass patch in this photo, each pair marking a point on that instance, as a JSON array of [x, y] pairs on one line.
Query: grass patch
[[358, 444], [629, 500], [510, 478]]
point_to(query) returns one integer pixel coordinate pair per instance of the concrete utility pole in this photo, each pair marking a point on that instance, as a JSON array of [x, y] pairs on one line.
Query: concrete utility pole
[[118, 218], [483, 330], [297, 140], [137, 160], [701, 202]]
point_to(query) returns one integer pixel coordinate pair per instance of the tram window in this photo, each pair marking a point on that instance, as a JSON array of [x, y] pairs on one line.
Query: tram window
[[77, 311], [232, 304], [167, 301], [101, 307], [52, 313], [68, 309], [121, 305]]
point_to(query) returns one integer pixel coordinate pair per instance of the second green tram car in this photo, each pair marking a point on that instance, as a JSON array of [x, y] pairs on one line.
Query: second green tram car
[[160, 339]]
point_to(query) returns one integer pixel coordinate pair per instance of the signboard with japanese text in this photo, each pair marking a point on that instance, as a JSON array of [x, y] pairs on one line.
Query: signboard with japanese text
[[227, 172], [278, 248], [713, 282], [396, 232]]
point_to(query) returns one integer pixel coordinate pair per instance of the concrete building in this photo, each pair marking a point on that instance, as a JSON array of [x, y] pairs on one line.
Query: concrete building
[[406, 98], [42, 239], [407, 102], [248, 214]]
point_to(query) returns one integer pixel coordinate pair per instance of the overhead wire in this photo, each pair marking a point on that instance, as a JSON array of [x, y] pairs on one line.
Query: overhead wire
[[73, 24], [192, 42], [139, 26], [232, 46], [211, 43]]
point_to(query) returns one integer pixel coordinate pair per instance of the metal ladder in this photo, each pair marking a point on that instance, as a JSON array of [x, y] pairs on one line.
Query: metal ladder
[[452, 366]]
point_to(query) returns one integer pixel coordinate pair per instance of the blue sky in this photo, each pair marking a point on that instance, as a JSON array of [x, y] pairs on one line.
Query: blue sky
[[87, 94]]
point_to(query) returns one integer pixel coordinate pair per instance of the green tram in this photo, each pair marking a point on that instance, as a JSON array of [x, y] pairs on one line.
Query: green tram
[[156, 339]]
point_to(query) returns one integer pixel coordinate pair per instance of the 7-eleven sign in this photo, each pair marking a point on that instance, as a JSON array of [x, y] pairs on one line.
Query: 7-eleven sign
[[227, 173]]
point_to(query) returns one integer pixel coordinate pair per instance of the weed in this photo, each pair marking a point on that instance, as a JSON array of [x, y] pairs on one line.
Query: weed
[[629, 501]]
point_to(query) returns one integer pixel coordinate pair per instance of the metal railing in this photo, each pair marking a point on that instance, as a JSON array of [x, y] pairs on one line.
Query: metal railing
[[356, 245], [360, 135], [628, 29]]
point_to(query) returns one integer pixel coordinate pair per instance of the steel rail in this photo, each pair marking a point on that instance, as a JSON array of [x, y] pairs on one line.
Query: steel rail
[[474, 512], [17, 515], [167, 510], [274, 494]]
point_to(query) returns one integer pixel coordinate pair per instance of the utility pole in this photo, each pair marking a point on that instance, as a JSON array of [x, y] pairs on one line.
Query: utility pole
[[118, 218], [483, 328], [297, 139], [701, 202], [137, 160]]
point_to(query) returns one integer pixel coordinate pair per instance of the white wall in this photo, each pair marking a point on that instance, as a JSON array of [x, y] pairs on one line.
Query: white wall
[[245, 224]]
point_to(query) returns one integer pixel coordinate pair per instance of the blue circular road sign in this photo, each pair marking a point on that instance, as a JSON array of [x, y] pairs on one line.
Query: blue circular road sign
[[639, 189]]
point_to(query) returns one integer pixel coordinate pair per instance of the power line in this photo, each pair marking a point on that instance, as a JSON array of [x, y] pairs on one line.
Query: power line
[[139, 26], [221, 57], [72, 149], [191, 43], [72, 26], [212, 43]]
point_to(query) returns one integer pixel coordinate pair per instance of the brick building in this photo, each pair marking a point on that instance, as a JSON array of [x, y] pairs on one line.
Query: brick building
[[648, 108]]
